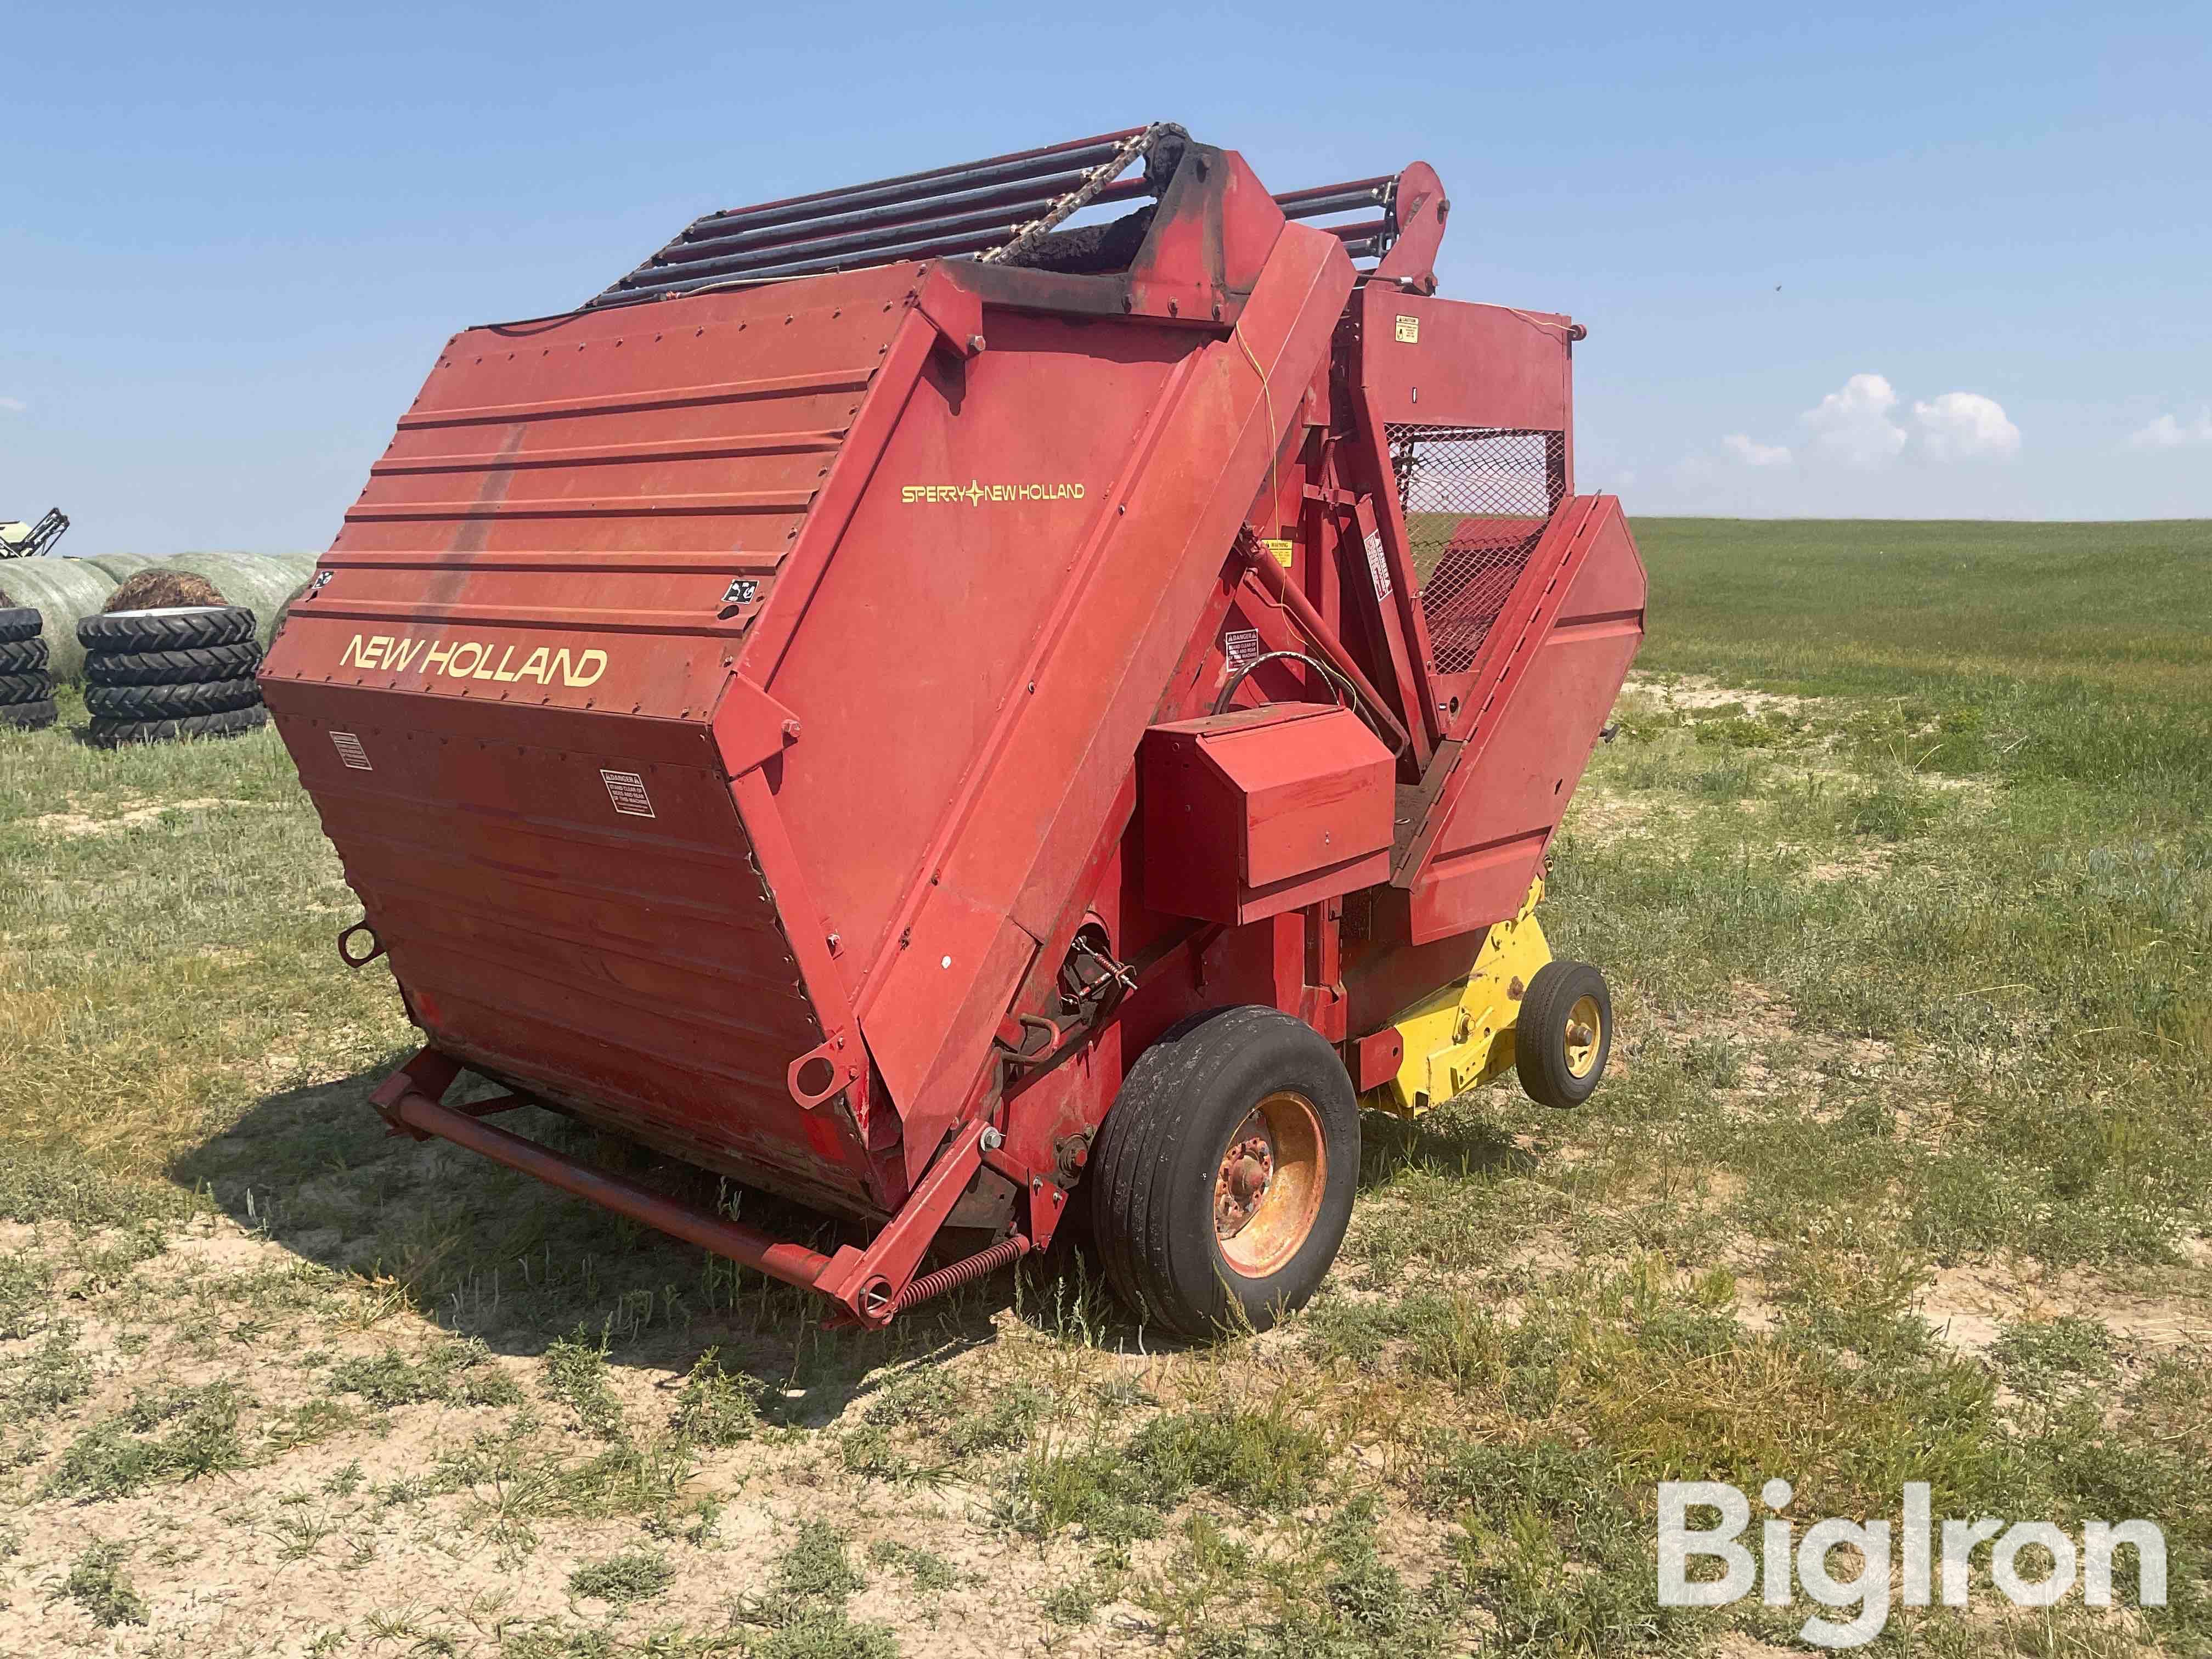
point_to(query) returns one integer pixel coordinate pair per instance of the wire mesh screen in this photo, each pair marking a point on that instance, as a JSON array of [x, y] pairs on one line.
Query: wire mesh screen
[[1475, 500]]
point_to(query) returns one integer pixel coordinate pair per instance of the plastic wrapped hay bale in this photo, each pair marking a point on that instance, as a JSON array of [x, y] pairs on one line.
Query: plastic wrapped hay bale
[[64, 591]]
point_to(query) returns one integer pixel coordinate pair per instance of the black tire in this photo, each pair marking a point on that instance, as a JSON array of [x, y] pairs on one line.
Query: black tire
[[207, 662], [28, 716], [36, 686], [164, 702], [109, 734], [22, 656], [1559, 1068], [179, 628], [1161, 1166], [19, 621]]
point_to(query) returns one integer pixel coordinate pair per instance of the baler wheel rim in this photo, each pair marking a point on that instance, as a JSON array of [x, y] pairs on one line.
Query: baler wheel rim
[[1154, 1174], [1585, 1026], [1267, 1193], [1563, 1034]]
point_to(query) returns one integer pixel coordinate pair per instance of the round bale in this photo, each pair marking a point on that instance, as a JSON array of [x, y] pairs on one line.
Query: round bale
[[120, 565], [163, 589], [260, 581], [65, 591]]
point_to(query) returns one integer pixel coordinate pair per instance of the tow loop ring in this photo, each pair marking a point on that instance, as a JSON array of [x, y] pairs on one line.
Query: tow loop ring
[[346, 955]]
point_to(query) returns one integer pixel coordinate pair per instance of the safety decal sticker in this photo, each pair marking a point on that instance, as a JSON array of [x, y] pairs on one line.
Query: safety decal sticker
[[626, 790], [1409, 330], [1242, 645], [350, 751], [1377, 566]]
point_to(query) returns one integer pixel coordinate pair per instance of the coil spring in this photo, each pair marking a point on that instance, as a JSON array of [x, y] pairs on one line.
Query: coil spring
[[960, 1273]]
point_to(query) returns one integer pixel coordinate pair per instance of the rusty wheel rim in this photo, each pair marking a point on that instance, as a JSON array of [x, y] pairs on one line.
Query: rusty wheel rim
[[1268, 1190], [1585, 1027]]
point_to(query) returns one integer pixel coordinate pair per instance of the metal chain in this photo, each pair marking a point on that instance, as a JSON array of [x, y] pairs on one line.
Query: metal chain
[[1029, 235]]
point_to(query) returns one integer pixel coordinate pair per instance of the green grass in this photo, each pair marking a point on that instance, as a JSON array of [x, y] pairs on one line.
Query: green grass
[[1882, 607], [98, 1583], [1899, 866], [620, 1580]]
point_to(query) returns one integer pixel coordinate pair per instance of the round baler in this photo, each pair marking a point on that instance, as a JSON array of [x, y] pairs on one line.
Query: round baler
[[924, 711]]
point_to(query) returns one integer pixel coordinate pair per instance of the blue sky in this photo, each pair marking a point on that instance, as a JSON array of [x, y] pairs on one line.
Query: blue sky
[[1875, 261]]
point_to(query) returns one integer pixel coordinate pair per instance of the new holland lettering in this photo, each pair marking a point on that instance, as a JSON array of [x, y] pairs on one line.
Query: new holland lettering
[[475, 660]]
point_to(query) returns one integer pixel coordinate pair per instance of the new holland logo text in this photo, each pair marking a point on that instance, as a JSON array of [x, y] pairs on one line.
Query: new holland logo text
[[976, 492], [476, 659]]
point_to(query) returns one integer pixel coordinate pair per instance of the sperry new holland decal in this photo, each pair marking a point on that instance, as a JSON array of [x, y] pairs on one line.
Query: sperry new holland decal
[[976, 492]]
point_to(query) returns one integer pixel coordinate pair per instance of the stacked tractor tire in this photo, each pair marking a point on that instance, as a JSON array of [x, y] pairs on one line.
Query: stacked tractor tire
[[27, 681], [175, 672]]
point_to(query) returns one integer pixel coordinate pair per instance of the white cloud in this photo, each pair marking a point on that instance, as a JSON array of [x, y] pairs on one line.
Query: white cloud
[[13, 405], [1854, 424], [1965, 426], [2168, 433], [1755, 454]]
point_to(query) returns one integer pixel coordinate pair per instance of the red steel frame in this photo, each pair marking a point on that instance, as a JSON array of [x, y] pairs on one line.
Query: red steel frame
[[728, 708]]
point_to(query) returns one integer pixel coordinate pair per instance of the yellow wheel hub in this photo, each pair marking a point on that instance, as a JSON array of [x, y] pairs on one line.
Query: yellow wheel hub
[[1585, 1027]]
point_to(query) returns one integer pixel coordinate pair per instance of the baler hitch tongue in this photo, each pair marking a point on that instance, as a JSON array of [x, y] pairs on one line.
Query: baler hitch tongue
[[763, 724]]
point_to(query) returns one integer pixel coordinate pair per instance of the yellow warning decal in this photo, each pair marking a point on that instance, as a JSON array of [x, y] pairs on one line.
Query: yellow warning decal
[[1409, 330], [1284, 551]]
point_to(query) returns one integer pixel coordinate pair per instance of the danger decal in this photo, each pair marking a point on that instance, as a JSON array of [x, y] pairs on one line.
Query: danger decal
[[626, 790]]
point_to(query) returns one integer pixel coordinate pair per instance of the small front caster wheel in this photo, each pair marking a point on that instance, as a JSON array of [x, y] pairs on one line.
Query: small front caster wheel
[[1225, 1171], [1563, 1034]]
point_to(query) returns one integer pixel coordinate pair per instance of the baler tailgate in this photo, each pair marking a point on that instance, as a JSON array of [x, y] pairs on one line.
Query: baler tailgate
[[529, 622]]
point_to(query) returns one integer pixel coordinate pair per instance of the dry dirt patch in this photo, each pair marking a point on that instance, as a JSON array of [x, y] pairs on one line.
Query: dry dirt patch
[[1971, 1305], [77, 822], [1697, 691]]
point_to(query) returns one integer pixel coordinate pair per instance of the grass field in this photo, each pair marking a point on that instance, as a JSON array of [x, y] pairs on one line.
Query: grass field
[[1901, 866]]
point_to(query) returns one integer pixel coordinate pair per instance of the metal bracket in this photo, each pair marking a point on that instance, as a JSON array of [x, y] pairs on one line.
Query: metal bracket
[[751, 727], [804, 1076], [346, 956], [956, 312]]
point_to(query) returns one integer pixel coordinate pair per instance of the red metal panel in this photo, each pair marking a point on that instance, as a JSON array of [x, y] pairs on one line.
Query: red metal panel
[[1546, 680], [1450, 362], [1261, 810], [1012, 843], [934, 598]]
